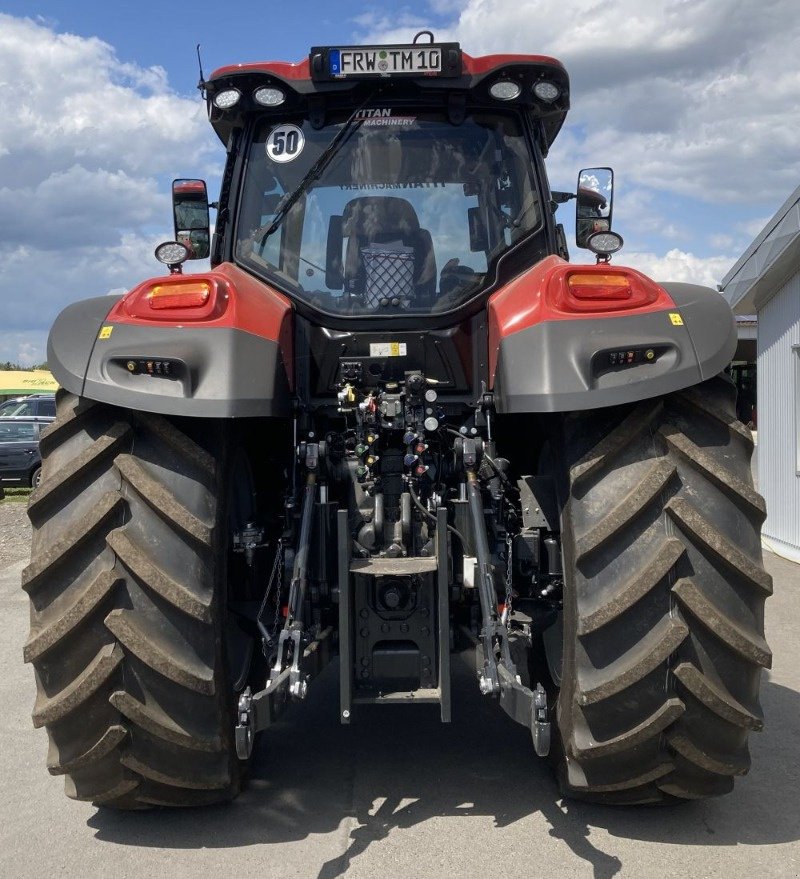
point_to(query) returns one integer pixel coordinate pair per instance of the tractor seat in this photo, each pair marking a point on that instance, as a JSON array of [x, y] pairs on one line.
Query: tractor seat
[[388, 256]]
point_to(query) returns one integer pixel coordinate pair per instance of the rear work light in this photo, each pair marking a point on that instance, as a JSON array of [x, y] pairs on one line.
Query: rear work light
[[227, 98], [546, 91], [269, 97], [505, 90], [191, 294], [596, 286]]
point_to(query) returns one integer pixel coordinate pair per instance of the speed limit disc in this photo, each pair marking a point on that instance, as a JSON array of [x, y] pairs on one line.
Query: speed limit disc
[[285, 143]]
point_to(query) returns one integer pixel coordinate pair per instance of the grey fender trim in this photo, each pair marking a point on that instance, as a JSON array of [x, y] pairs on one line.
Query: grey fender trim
[[555, 366], [72, 338], [217, 372], [711, 325]]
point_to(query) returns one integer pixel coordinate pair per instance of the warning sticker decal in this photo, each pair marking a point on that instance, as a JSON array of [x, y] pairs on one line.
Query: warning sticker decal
[[387, 349]]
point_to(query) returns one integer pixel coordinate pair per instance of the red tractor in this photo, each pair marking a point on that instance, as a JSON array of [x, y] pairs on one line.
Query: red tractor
[[392, 422]]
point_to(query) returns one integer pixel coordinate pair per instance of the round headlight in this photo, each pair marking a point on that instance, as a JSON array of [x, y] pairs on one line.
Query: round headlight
[[172, 253], [226, 99], [505, 90], [269, 97], [546, 91], [604, 243]]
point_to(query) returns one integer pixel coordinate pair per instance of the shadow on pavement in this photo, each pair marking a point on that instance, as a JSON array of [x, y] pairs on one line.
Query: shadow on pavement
[[395, 768]]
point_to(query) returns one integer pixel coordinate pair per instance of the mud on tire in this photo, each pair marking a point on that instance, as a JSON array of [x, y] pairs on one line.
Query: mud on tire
[[664, 600], [125, 584]]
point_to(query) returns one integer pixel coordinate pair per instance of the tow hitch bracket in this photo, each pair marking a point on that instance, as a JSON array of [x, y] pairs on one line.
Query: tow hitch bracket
[[257, 711], [540, 725], [526, 706]]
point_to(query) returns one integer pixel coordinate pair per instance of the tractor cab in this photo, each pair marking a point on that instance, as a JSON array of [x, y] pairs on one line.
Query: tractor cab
[[386, 181]]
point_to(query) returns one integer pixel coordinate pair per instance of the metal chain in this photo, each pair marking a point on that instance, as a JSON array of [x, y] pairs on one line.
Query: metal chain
[[509, 580], [276, 567]]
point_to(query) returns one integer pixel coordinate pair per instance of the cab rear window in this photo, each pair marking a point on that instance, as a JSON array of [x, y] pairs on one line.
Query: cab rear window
[[406, 218]]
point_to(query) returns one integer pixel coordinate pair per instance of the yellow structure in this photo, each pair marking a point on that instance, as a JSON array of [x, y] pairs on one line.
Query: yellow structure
[[20, 381]]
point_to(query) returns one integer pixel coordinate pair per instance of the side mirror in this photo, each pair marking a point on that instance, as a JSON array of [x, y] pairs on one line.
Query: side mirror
[[190, 215], [594, 202]]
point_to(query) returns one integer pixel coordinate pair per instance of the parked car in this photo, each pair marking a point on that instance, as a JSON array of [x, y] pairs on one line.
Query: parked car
[[20, 461], [41, 406]]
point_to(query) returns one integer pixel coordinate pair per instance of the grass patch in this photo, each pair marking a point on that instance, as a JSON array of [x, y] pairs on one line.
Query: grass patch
[[16, 495]]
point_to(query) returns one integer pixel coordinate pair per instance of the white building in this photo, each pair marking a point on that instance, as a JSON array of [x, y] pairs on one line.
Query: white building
[[766, 282]]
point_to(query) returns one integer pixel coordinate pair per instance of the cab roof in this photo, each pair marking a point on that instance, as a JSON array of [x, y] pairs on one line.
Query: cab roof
[[467, 81]]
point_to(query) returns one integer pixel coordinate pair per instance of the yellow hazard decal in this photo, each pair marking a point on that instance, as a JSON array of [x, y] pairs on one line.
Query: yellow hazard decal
[[105, 332], [677, 320]]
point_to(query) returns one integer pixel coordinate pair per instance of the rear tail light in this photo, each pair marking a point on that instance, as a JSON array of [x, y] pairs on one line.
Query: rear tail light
[[587, 290], [177, 299], [192, 294], [596, 286]]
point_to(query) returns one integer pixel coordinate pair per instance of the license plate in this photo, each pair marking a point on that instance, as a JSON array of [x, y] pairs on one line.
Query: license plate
[[384, 61]]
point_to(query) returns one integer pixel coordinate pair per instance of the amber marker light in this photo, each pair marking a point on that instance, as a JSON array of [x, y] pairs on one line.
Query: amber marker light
[[597, 286], [191, 294]]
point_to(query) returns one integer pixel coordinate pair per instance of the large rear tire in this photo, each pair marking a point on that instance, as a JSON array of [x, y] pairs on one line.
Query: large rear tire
[[128, 607], [663, 622]]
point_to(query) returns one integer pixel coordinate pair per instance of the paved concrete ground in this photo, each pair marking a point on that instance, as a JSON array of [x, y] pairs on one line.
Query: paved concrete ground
[[399, 795]]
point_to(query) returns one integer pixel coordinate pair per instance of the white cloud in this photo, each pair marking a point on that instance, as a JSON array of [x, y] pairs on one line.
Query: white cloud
[[77, 207], [401, 25], [22, 348], [38, 283], [87, 144], [67, 99], [695, 98], [678, 265], [721, 242]]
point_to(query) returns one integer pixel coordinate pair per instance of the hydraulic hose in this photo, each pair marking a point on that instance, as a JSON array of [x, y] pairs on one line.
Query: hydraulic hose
[[418, 504]]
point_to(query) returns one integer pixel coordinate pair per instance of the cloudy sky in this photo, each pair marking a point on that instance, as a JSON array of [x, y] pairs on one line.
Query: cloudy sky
[[693, 102]]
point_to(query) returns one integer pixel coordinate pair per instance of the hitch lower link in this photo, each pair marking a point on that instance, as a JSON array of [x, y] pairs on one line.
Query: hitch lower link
[[498, 674], [294, 667], [293, 634]]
